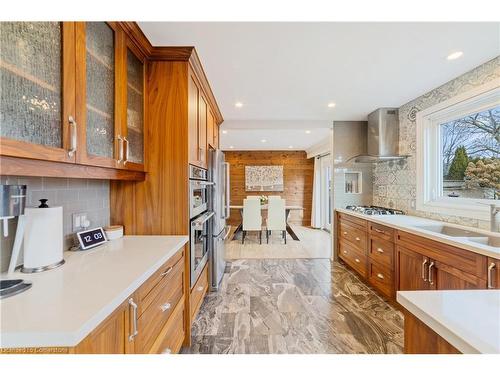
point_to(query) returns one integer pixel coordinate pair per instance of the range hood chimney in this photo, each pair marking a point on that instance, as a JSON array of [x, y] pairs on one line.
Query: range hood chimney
[[383, 137]]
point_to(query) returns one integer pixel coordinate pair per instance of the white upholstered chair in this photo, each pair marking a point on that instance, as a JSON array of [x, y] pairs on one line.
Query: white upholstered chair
[[276, 217], [252, 218]]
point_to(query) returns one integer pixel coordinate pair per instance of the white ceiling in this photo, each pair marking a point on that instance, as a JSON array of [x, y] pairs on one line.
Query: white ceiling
[[290, 71]]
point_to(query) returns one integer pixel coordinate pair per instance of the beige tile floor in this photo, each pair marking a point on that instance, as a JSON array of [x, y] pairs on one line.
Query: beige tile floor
[[314, 243]]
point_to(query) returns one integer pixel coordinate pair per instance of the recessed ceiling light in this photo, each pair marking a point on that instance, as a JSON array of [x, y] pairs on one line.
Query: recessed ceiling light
[[331, 105], [224, 132], [455, 55], [238, 104], [263, 140], [290, 146], [231, 146], [308, 132]]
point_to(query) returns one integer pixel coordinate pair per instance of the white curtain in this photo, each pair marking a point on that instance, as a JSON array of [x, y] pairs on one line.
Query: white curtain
[[316, 200]]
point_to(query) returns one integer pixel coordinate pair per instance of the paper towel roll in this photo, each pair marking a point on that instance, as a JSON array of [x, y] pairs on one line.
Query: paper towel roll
[[43, 238]]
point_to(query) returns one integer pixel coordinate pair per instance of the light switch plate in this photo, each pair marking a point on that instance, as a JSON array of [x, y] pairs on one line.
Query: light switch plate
[[79, 220]]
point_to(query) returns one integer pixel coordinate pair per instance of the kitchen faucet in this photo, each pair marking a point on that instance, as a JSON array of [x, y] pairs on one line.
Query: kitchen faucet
[[494, 210]]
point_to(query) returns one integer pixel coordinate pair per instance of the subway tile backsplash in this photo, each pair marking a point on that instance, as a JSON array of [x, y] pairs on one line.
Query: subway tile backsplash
[[74, 195]]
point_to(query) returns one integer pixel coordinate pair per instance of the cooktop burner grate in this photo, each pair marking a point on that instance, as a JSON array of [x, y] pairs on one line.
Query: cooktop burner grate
[[374, 210]]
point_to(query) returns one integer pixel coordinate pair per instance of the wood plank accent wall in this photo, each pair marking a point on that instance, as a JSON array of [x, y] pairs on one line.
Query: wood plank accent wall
[[298, 173]]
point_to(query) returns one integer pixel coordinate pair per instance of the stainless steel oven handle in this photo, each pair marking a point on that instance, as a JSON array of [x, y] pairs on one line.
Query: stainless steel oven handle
[[227, 209], [202, 220], [196, 183]]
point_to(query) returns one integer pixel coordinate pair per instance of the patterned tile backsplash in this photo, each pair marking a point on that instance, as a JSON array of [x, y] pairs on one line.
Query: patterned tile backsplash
[[395, 181], [74, 195]]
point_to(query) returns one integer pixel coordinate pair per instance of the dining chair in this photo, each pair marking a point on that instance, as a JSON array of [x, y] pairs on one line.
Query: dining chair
[[252, 219], [276, 217]]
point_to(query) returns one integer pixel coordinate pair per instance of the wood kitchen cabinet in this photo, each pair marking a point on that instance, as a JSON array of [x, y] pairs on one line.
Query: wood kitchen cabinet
[[197, 123], [412, 270], [212, 131], [75, 106]]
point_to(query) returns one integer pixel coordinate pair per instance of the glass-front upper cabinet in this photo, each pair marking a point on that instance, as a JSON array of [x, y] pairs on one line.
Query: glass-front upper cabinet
[[134, 152], [37, 107], [96, 82]]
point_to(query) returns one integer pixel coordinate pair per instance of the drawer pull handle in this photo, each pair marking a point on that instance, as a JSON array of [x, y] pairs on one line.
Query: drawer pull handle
[[378, 230], [357, 260], [490, 275], [345, 251], [165, 307], [167, 351], [199, 289], [358, 239], [134, 319], [345, 233], [169, 269], [380, 276], [423, 270], [380, 250]]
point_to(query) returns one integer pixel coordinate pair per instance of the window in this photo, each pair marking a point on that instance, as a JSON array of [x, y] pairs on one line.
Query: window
[[458, 154]]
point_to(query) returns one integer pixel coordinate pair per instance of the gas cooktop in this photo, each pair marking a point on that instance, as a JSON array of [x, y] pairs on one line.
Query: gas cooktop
[[374, 210]]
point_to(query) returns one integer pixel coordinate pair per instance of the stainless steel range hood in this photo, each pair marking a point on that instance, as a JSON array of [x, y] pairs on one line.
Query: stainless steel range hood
[[383, 137]]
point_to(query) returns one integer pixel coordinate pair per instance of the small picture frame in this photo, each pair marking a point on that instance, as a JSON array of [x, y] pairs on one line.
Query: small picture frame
[[91, 238]]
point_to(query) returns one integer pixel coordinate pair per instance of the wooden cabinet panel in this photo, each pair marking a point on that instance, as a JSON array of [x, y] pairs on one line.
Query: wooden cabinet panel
[[381, 231], [381, 278], [420, 339], [381, 251], [353, 220], [198, 292], [493, 273], [211, 129], [216, 136], [447, 277], [202, 131], [353, 257], [411, 269], [193, 120], [37, 65], [109, 337], [170, 339]]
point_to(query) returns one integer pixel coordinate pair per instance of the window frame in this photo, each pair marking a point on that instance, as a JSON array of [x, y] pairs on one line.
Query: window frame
[[429, 152]]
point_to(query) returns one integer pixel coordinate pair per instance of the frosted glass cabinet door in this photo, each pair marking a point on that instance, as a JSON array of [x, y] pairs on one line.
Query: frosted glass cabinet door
[[33, 114], [100, 91], [135, 108]]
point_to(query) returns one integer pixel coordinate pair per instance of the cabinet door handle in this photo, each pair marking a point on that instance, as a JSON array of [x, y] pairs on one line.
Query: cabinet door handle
[[120, 148], [199, 289], [491, 267], [127, 150], [73, 135], [345, 251], [423, 269], [166, 306], [357, 260], [358, 239], [345, 233], [380, 250], [430, 273], [378, 230], [134, 319], [380, 276], [169, 269]]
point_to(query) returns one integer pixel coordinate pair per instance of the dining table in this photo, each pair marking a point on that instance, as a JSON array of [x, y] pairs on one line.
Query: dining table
[[264, 207]]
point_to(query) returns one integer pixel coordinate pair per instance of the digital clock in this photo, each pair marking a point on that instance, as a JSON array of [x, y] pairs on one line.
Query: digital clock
[[91, 238]]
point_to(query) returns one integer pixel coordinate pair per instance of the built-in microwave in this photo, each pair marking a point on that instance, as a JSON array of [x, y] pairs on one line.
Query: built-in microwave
[[198, 190]]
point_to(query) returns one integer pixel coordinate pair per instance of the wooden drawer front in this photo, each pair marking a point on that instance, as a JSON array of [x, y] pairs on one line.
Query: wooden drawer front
[[353, 257], [353, 220], [381, 251], [156, 283], [154, 317], [381, 278], [172, 335], [354, 235], [198, 292], [467, 261], [381, 231]]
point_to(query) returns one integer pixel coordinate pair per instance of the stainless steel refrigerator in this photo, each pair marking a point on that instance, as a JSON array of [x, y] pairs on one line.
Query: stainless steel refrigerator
[[219, 204]]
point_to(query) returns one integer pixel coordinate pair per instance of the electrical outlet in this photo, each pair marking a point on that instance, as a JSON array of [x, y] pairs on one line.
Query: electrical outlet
[[79, 221]]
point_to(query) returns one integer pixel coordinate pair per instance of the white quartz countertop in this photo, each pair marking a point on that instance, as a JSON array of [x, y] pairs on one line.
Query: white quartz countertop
[[65, 304], [411, 224], [468, 319]]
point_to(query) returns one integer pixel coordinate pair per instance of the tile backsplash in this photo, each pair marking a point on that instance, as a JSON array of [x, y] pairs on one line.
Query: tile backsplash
[[74, 195], [395, 181]]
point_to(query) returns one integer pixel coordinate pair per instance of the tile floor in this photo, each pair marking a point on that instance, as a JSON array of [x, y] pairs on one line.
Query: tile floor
[[295, 306], [314, 243]]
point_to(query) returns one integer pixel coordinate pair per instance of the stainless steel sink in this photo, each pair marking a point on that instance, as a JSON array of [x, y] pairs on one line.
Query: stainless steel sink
[[488, 240], [450, 231]]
